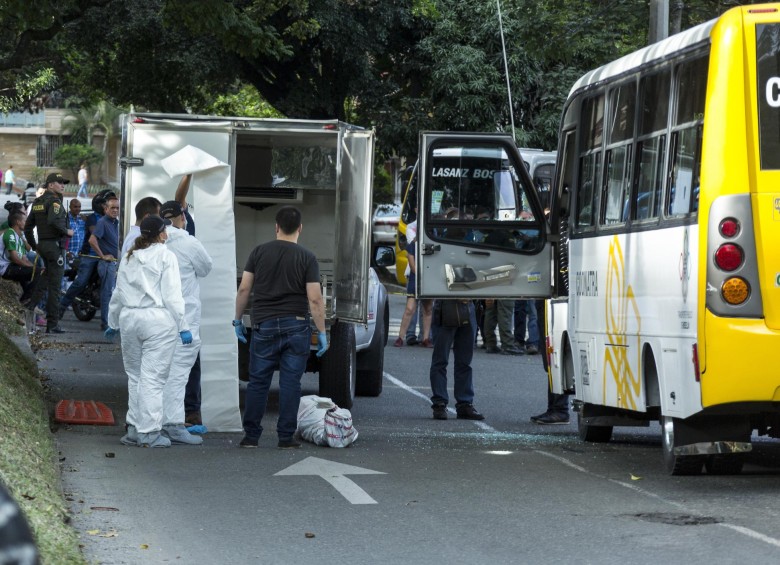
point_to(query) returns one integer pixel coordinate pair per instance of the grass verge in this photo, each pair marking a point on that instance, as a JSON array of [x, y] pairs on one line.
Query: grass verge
[[28, 460]]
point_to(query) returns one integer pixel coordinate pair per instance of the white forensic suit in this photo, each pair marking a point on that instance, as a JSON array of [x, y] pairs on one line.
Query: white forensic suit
[[194, 263], [148, 309]]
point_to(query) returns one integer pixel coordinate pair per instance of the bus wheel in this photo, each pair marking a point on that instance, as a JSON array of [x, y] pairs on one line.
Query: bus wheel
[[595, 434], [727, 464], [677, 464]]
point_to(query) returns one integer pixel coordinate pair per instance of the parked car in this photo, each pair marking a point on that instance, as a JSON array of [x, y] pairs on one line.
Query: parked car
[[385, 223]]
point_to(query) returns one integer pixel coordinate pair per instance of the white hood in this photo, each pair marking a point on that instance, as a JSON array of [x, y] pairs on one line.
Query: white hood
[[148, 279], [194, 262]]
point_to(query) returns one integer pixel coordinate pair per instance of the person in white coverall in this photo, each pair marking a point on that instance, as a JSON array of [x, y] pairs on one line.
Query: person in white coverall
[[194, 263], [148, 308]]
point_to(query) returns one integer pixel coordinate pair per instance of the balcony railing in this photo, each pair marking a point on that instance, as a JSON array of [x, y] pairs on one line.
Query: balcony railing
[[22, 120]]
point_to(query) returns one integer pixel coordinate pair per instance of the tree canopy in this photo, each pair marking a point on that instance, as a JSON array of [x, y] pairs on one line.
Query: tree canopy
[[401, 66]]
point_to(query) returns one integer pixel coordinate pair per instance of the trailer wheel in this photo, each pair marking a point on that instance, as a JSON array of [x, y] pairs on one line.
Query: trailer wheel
[[369, 380], [338, 366], [594, 434], [726, 464], [677, 464]]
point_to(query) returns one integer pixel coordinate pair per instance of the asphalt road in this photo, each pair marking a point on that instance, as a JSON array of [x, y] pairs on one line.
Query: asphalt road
[[417, 490]]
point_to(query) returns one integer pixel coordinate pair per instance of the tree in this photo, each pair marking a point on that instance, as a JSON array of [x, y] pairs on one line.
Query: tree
[[29, 52], [71, 157]]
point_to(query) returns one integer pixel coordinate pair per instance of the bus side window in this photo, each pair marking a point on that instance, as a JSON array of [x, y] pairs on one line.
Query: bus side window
[[683, 192]]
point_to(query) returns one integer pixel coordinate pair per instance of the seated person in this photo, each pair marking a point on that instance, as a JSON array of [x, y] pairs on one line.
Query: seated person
[[14, 264]]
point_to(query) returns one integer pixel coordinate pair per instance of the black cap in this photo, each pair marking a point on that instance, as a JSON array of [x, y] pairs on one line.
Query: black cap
[[152, 226], [56, 177], [170, 209]]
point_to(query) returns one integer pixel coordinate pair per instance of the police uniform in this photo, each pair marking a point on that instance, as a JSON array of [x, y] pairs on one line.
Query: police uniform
[[49, 216]]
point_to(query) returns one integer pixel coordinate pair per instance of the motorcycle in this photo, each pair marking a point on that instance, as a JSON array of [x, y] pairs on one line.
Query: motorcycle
[[87, 303]]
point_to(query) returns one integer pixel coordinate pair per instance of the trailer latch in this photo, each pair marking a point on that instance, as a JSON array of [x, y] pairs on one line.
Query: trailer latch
[[126, 162]]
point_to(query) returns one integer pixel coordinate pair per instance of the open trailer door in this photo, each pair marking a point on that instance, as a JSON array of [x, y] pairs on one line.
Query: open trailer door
[[482, 232], [353, 237], [152, 147]]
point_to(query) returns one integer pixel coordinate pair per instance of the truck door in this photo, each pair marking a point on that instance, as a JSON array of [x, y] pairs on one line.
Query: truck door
[[146, 142], [353, 224], [482, 232]]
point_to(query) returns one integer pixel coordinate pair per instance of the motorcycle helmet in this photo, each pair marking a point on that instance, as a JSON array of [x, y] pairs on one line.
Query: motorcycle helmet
[[100, 199]]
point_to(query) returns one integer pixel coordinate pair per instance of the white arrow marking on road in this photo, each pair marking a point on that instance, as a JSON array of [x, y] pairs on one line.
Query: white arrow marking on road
[[334, 473]]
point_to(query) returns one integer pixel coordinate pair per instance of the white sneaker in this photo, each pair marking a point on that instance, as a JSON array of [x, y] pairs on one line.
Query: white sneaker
[[153, 439], [177, 433]]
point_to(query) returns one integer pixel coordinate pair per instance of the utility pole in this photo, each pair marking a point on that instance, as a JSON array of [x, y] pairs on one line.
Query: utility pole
[[659, 21]]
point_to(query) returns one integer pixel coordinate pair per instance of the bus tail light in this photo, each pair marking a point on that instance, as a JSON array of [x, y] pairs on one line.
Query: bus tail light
[[695, 359], [735, 291], [733, 287], [729, 228], [729, 257]]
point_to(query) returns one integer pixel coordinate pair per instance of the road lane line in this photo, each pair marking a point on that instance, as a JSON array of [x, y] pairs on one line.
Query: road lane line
[[568, 463]]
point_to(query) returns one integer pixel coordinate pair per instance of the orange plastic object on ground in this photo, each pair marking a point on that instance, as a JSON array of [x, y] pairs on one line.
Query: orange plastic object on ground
[[83, 412]]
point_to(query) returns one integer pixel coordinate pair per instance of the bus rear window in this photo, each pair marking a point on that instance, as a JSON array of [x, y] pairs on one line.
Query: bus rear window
[[768, 71]]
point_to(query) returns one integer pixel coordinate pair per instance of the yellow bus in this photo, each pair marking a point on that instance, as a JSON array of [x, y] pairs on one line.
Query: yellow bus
[[668, 189]]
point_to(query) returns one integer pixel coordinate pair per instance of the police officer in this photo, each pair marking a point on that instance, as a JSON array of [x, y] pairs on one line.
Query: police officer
[[48, 214]]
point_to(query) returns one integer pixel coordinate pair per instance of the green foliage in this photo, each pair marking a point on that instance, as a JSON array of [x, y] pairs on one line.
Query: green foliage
[[244, 101], [383, 185], [71, 156]]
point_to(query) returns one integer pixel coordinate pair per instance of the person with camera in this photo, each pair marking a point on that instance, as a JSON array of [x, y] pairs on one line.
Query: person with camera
[[48, 216]]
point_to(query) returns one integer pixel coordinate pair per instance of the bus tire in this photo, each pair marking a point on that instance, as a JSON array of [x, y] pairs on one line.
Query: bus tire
[[338, 367], [725, 464], [369, 380], [677, 464], [593, 434]]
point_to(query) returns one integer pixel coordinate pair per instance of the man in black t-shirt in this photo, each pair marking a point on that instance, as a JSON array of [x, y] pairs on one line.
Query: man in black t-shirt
[[285, 281]]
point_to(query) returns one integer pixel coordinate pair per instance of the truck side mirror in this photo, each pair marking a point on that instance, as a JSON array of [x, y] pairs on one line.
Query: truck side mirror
[[384, 256]]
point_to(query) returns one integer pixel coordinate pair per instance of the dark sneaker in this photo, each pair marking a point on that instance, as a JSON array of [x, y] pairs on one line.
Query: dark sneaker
[[55, 330], [439, 411], [288, 444], [412, 340], [550, 418], [492, 349], [512, 351], [248, 442], [468, 412], [531, 350]]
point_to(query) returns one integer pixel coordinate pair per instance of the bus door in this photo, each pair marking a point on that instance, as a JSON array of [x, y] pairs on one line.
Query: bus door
[[481, 226]]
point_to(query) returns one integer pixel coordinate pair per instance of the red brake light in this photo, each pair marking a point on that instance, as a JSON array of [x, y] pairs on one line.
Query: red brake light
[[729, 227], [139, 121], [762, 10], [728, 257]]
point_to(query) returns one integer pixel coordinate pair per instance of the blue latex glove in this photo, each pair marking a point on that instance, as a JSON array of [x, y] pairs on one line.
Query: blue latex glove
[[240, 330], [186, 337], [322, 341], [110, 333]]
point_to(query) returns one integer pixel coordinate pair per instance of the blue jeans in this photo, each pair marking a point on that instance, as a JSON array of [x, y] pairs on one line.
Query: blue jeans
[[192, 391], [461, 341], [525, 312], [86, 266], [107, 272], [281, 343]]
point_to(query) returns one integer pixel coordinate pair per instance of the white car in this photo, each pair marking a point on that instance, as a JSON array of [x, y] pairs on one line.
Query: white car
[[385, 224]]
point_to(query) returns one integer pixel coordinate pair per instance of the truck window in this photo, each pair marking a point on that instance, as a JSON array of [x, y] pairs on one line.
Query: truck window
[[475, 195]]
